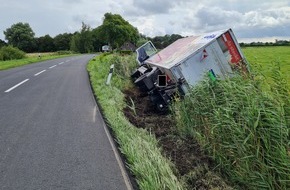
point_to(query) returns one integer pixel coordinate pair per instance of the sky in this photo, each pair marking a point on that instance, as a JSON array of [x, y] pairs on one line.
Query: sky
[[251, 20]]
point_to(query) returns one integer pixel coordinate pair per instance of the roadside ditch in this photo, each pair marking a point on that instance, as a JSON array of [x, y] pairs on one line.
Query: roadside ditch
[[195, 168]]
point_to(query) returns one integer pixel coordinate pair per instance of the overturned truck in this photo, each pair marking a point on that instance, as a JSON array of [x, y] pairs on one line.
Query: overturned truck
[[181, 65]]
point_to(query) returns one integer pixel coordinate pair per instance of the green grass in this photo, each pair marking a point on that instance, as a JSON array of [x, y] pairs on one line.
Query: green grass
[[144, 158], [244, 122], [263, 58], [28, 60]]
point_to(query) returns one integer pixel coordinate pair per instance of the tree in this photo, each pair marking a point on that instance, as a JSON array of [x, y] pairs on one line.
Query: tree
[[158, 42], [82, 41], [2, 43], [141, 41], [75, 42], [20, 35], [116, 31], [98, 39], [161, 42], [45, 44], [62, 41]]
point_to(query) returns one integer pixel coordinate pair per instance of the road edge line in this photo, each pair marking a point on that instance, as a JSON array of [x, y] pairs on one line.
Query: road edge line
[[120, 161]]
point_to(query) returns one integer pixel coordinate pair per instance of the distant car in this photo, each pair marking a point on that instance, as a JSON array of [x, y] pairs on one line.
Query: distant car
[[106, 48]]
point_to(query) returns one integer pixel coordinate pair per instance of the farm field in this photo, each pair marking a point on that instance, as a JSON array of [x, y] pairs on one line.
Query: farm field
[[31, 58], [265, 57]]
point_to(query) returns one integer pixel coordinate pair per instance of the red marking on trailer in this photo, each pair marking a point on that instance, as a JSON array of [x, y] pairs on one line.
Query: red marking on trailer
[[203, 55], [235, 55]]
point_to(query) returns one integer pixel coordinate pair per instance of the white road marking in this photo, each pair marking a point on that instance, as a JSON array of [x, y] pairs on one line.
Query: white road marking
[[52, 66], [61, 63], [39, 73], [94, 114], [67, 61], [12, 88]]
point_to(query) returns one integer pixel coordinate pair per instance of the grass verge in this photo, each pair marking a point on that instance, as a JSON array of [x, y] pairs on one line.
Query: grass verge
[[33, 58], [143, 157]]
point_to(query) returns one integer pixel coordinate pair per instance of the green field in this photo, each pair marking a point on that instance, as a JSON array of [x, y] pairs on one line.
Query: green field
[[266, 57], [30, 58]]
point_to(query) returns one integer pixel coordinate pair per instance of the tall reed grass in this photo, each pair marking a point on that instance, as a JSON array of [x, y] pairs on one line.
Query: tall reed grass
[[244, 124]]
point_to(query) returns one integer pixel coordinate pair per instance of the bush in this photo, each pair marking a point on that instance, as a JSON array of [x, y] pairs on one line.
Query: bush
[[244, 127], [64, 52], [124, 65], [10, 53], [126, 52]]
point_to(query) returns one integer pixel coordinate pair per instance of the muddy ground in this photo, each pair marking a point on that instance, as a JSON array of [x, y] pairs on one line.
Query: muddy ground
[[194, 167]]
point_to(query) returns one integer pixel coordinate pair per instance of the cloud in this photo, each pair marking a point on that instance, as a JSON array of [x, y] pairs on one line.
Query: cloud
[[260, 22], [248, 18], [215, 18], [149, 26], [267, 18], [152, 6], [72, 1]]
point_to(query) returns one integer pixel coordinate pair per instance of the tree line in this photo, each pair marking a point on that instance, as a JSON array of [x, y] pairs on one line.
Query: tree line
[[114, 31], [261, 44]]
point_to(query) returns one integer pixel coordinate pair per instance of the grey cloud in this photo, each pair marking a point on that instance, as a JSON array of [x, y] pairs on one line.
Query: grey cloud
[[152, 6], [253, 23], [267, 18], [156, 7], [72, 1], [254, 32], [248, 18], [216, 17], [78, 19]]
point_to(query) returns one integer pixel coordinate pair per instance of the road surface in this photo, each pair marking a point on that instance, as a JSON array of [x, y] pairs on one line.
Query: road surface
[[52, 135]]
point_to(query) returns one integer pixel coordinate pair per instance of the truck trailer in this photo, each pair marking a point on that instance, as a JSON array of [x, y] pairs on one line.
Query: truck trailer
[[181, 65]]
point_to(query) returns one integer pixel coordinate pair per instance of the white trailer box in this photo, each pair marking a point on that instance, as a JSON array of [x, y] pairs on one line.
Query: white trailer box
[[188, 59]]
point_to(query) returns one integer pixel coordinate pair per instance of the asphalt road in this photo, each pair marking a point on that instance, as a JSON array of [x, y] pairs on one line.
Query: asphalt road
[[52, 135]]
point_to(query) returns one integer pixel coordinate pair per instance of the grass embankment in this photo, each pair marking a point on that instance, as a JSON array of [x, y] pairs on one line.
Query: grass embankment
[[144, 158], [244, 123], [31, 58]]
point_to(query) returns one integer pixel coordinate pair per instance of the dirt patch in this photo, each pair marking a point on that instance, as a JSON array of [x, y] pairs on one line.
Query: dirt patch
[[194, 167]]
